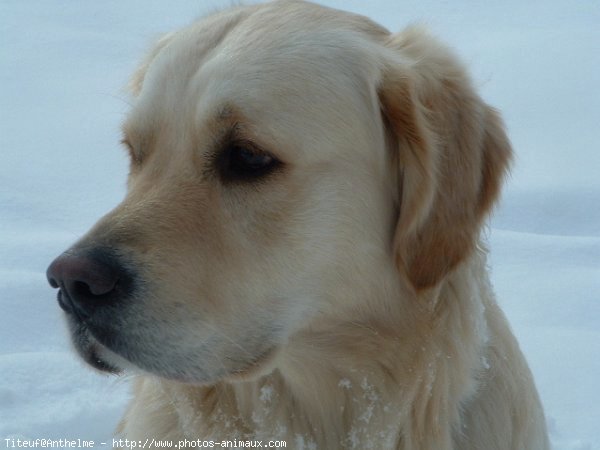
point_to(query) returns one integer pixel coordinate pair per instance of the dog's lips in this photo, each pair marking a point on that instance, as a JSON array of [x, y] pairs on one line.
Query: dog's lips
[[87, 346], [67, 305], [93, 359], [63, 301], [98, 347]]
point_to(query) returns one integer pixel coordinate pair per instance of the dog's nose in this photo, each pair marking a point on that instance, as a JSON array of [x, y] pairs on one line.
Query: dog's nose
[[86, 281]]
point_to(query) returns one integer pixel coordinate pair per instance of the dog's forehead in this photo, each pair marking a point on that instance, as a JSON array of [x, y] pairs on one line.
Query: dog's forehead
[[284, 62]]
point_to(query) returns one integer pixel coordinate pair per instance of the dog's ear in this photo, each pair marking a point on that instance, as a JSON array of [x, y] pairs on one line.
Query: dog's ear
[[451, 153], [137, 79]]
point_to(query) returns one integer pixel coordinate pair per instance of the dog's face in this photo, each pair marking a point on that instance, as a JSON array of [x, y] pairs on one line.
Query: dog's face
[[263, 195]]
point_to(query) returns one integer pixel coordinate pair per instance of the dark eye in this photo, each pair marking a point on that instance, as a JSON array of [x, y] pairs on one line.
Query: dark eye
[[130, 149], [240, 162]]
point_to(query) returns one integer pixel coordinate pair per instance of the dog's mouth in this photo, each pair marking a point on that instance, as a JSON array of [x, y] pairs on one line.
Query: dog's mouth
[[89, 348], [92, 358], [86, 345], [107, 350]]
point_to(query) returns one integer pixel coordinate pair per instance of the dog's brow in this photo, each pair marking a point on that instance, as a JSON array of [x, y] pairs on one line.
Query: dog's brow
[[230, 123], [229, 113], [225, 112]]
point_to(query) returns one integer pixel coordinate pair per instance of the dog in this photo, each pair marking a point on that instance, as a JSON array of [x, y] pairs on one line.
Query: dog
[[299, 253]]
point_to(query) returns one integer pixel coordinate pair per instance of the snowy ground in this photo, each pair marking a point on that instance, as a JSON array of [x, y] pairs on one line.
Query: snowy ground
[[62, 64]]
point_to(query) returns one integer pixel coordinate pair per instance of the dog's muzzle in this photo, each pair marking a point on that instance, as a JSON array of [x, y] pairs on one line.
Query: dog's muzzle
[[94, 287]]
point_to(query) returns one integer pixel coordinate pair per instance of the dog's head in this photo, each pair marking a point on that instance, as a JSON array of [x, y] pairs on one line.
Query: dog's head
[[285, 158]]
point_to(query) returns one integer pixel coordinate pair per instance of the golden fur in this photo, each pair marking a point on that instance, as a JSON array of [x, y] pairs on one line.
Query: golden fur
[[343, 302]]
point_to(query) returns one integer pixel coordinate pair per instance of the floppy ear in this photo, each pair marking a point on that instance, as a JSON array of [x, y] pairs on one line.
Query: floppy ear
[[451, 153]]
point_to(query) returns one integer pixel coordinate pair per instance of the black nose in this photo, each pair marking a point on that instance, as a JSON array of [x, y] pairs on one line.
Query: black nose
[[87, 280]]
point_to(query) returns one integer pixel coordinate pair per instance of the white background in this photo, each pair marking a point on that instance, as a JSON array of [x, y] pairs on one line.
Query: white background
[[62, 68]]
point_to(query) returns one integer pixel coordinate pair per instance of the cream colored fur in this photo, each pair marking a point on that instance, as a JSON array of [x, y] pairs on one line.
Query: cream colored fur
[[343, 302]]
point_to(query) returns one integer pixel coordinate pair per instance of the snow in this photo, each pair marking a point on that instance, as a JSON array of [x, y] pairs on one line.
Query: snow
[[345, 383], [62, 66]]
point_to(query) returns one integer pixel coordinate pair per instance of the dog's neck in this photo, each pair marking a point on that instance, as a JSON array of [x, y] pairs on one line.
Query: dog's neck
[[348, 379]]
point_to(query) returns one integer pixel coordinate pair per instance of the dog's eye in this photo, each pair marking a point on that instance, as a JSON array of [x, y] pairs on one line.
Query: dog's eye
[[131, 150], [241, 162]]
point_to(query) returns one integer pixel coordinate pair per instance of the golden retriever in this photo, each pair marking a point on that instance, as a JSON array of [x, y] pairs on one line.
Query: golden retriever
[[298, 256]]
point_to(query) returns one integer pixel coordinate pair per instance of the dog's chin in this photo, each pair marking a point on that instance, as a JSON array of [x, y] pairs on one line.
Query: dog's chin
[[105, 360]]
